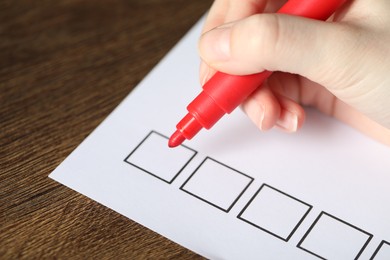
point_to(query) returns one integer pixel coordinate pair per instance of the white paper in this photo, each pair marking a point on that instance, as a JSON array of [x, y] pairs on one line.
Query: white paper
[[235, 192]]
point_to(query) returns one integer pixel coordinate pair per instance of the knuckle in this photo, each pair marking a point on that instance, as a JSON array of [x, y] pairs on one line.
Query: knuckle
[[258, 37]]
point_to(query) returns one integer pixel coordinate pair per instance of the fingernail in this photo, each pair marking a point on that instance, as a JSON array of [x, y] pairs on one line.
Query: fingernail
[[288, 121], [261, 112], [255, 112], [215, 45]]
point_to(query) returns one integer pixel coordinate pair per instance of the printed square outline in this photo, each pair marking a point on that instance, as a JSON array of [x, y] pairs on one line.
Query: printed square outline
[[239, 216], [379, 248], [154, 175], [342, 221], [209, 202]]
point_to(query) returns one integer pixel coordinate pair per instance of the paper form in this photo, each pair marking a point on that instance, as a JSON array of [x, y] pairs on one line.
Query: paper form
[[235, 192]]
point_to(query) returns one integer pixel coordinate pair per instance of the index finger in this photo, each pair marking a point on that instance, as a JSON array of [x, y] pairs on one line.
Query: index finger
[[224, 11]]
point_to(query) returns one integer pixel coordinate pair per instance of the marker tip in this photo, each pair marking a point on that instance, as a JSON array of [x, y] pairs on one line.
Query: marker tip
[[176, 139]]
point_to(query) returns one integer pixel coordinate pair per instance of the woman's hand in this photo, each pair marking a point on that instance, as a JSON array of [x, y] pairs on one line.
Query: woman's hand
[[341, 67]]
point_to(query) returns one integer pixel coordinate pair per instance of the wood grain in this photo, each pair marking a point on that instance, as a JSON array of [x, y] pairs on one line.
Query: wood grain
[[64, 66]]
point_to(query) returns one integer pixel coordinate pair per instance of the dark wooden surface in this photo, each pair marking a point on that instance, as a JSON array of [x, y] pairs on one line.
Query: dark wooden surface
[[64, 66]]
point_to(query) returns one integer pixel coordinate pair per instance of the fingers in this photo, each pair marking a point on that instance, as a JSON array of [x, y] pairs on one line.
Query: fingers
[[335, 59], [280, 43], [223, 11], [216, 15], [267, 107], [263, 108], [292, 115], [277, 104]]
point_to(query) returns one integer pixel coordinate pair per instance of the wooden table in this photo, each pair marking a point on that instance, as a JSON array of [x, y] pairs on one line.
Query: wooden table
[[64, 66]]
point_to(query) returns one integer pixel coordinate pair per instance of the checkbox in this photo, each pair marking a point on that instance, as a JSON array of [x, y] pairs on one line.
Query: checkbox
[[217, 184], [154, 157], [333, 238], [382, 252], [275, 212]]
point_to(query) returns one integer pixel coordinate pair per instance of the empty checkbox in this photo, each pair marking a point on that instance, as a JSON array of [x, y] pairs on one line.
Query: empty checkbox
[[382, 252], [154, 157], [217, 184], [275, 212], [333, 238]]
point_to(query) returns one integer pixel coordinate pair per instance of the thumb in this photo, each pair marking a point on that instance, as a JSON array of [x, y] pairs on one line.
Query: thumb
[[275, 42]]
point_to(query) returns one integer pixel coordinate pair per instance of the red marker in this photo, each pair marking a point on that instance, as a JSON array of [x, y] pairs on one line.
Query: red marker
[[223, 92]]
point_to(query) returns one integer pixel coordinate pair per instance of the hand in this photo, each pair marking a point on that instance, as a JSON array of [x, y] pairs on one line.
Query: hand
[[341, 67]]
